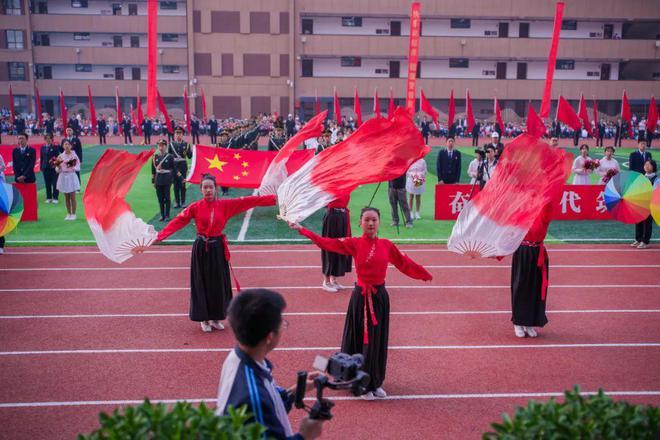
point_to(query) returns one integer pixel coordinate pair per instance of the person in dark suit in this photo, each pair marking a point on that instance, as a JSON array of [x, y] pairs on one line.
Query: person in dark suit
[[618, 133], [556, 128], [180, 151], [194, 130], [213, 129], [126, 128], [76, 146], [644, 229], [290, 125], [73, 123], [19, 124], [49, 152], [277, 140], [475, 133], [49, 125], [147, 130], [23, 159], [162, 171], [102, 128], [600, 134], [576, 137], [425, 127], [637, 158], [448, 164], [649, 137]]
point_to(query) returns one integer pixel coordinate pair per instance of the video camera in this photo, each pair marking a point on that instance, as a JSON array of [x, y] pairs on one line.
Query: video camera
[[345, 372]]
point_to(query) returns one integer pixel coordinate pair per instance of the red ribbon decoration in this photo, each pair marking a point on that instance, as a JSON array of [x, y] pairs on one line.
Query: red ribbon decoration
[[368, 290], [543, 257], [552, 60], [37, 98]]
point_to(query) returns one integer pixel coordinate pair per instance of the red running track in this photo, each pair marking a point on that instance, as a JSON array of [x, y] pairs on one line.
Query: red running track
[[79, 335]]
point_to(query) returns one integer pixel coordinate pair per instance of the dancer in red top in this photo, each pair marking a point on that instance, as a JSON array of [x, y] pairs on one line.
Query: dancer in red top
[[210, 282], [336, 224], [529, 278], [368, 319]]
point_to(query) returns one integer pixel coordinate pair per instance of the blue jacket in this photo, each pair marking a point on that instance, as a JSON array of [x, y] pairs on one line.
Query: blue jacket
[[244, 382]]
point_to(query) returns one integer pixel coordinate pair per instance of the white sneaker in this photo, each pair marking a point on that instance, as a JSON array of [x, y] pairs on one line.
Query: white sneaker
[[338, 286], [217, 325], [68, 217], [73, 217], [55, 201], [206, 327], [328, 287], [530, 332], [2, 251], [380, 393], [519, 331], [419, 216], [635, 243], [49, 201], [642, 246], [368, 396]]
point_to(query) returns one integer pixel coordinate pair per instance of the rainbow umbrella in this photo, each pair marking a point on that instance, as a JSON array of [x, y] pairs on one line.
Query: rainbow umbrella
[[11, 208], [628, 197], [655, 205]]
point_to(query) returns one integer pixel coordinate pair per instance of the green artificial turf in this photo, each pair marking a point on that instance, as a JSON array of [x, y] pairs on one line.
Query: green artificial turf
[[263, 226]]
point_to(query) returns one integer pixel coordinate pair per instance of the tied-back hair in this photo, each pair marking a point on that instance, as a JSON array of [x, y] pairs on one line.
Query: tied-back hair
[[207, 176], [584, 146], [369, 208]]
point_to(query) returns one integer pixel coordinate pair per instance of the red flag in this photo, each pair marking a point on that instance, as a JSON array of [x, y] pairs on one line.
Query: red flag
[[584, 116], [239, 168], [140, 115], [115, 227], [380, 150], [337, 109], [468, 110], [595, 114], [567, 115], [452, 111], [317, 105], [63, 110], [11, 105], [133, 120], [427, 107], [357, 109], [163, 110], [535, 125], [626, 113], [120, 116], [390, 106], [152, 56], [498, 115], [652, 118], [277, 172], [376, 104], [203, 105], [552, 61], [37, 98], [92, 110], [186, 106]]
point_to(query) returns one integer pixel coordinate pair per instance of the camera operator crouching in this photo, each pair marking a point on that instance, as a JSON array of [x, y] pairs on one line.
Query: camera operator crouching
[[255, 316]]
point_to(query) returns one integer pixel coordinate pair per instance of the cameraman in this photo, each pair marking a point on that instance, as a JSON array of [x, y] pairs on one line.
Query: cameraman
[[255, 317]]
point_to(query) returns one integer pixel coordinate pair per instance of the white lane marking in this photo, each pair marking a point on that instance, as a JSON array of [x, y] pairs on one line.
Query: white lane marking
[[476, 266], [246, 221], [211, 400], [297, 349], [341, 313], [417, 287]]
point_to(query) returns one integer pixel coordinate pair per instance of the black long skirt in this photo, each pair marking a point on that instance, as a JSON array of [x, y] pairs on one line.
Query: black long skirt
[[210, 281], [335, 225], [375, 353], [526, 284]]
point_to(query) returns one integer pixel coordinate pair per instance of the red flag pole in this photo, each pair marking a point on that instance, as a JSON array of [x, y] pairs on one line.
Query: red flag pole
[[37, 97], [120, 118], [140, 115], [357, 108], [451, 115], [11, 105], [152, 60], [337, 109], [552, 60], [203, 104], [468, 110], [186, 106], [63, 114], [652, 116], [376, 104], [626, 113], [390, 105], [498, 116], [163, 110], [92, 110]]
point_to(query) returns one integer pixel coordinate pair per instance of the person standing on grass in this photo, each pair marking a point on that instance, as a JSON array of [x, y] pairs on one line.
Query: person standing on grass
[[49, 153], [582, 175], [336, 224], [644, 229], [67, 164], [416, 186], [76, 146], [448, 164], [162, 168], [23, 160], [608, 166], [180, 151], [397, 196], [638, 158], [366, 329], [210, 282]]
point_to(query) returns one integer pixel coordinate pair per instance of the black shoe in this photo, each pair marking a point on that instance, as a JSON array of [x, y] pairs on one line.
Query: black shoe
[[176, 205], [167, 218], [162, 219]]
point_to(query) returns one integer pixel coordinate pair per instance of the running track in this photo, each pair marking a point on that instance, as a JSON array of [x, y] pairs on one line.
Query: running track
[[79, 334]]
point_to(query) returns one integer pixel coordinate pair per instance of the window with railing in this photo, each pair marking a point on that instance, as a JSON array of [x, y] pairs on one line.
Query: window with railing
[[565, 65], [15, 39], [80, 36], [170, 69], [459, 63], [16, 71], [170, 38], [12, 7], [460, 23], [168, 5]]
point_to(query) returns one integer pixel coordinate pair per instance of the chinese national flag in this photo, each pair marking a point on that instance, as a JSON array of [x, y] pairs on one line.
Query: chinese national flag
[[239, 168]]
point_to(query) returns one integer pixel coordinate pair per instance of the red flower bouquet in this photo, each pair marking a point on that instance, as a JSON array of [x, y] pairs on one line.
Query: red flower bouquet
[[610, 173], [591, 164]]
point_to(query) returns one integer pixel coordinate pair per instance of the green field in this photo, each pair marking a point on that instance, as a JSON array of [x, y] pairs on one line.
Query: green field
[[51, 229]]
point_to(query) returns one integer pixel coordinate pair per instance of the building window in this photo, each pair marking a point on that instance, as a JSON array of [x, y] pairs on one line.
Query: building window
[[460, 23], [170, 69], [565, 65], [42, 8], [117, 41], [12, 7], [308, 68], [569, 25], [16, 71], [170, 38], [459, 63], [135, 41], [44, 39], [79, 3], [307, 26], [78, 36], [83, 67], [351, 61], [116, 9], [132, 9], [136, 74], [45, 72], [15, 39], [119, 73], [171, 6], [351, 21]]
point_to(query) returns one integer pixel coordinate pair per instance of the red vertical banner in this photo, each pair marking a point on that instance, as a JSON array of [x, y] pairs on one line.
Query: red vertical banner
[[596, 115], [468, 111], [390, 106], [140, 115], [92, 110], [203, 105], [376, 104], [652, 116], [498, 116], [11, 105], [357, 109], [552, 61], [163, 110], [120, 118], [317, 106], [584, 115], [152, 57], [62, 110], [186, 107], [413, 57], [337, 109], [37, 98], [626, 113], [452, 111]]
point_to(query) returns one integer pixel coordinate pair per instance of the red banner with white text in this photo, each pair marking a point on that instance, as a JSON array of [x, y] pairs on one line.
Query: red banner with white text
[[6, 153], [578, 202], [413, 56]]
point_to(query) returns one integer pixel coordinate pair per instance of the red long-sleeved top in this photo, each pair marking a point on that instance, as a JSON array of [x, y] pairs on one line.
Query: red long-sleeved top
[[340, 202], [539, 228], [211, 217]]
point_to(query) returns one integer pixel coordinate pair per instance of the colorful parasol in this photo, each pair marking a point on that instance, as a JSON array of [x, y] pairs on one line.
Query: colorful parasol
[[11, 208], [628, 197], [655, 205]]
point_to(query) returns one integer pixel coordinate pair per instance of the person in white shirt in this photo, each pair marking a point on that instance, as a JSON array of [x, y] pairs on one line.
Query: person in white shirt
[[582, 175], [607, 163], [473, 168], [487, 167]]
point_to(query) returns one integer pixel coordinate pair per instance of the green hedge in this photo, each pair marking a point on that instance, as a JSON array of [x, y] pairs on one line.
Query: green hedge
[[579, 417], [182, 421]]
